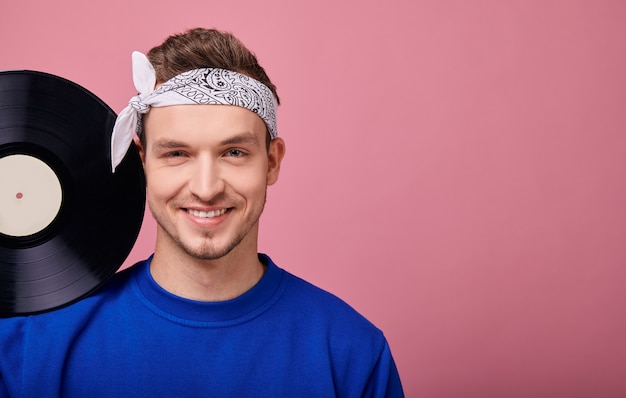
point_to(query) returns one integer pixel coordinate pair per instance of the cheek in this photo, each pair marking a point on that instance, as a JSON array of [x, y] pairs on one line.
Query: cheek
[[161, 184], [247, 182]]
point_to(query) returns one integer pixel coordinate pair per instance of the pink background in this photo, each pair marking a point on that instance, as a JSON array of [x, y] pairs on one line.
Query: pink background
[[455, 169]]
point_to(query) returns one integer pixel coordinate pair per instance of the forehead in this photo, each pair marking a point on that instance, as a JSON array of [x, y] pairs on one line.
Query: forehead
[[202, 122]]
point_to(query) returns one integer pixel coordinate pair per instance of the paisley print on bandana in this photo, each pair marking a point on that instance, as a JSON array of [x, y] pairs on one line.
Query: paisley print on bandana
[[221, 86]]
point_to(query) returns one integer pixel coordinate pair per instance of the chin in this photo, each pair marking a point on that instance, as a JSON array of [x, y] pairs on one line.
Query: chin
[[210, 251]]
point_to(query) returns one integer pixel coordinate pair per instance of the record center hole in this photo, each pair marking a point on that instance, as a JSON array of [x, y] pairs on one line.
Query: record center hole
[[19, 195]]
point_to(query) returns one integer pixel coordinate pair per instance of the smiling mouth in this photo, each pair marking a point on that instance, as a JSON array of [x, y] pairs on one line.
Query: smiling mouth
[[206, 214]]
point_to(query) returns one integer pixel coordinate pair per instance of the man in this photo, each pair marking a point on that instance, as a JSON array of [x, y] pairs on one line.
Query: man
[[206, 315]]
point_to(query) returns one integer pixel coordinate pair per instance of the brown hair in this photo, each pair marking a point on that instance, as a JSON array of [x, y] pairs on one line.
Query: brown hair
[[205, 48]]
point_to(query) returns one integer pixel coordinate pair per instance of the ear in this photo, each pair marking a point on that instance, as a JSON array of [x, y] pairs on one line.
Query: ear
[[140, 149], [275, 156]]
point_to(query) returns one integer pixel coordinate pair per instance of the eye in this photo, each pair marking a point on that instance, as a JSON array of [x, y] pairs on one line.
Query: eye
[[174, 154], [236, 153]]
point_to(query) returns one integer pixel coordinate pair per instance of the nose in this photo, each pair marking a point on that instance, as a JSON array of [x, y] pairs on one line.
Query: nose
[[206, 181]]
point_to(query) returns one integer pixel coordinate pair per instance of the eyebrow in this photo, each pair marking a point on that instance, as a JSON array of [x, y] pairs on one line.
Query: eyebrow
[[165, 143], [238, 139], [243, 138]]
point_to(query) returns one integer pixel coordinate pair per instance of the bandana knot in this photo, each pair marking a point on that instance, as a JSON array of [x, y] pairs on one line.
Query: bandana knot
[[137, 104]]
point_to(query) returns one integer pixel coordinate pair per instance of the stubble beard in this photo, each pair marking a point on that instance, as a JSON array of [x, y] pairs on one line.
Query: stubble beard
[[209, 250]]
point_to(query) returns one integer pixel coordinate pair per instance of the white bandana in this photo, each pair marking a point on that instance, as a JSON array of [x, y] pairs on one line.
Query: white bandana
[[198, 86]]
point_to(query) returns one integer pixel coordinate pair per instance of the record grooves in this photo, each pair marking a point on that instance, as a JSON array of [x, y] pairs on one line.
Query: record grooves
[[67, 223]]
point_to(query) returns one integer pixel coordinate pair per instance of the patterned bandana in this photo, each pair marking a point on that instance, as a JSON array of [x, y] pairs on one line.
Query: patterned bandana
[[198, 86]]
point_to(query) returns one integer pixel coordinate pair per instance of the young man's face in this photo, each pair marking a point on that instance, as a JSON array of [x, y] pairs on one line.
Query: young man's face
[[207, 170]]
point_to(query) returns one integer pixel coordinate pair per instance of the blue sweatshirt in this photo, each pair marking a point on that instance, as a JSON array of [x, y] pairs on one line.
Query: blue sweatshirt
[[282, 338]]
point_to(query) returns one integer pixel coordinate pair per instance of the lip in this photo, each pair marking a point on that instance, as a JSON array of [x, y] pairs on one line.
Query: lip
[[204, 217]]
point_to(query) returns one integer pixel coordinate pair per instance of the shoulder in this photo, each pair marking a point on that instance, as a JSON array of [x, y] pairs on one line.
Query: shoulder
[[321, 301], [316, 307], [357, 349], [73, 311], [64, 323]]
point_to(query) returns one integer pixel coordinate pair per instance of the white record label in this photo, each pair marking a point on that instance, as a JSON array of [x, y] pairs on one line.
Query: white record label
[[30, 195]]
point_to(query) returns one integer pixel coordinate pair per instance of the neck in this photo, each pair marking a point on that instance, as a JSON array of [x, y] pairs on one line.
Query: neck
[[207, 280]]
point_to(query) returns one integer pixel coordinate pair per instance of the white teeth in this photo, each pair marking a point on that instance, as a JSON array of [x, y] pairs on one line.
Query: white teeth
[[206, 214]]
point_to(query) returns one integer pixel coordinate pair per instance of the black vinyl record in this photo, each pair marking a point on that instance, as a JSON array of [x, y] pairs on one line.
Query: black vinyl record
[[67, 222]]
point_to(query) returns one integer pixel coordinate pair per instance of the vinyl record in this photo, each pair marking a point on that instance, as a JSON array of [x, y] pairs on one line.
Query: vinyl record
[[67, 223]]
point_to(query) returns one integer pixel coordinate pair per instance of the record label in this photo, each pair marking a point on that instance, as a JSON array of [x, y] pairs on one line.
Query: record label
[[31, 195]]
